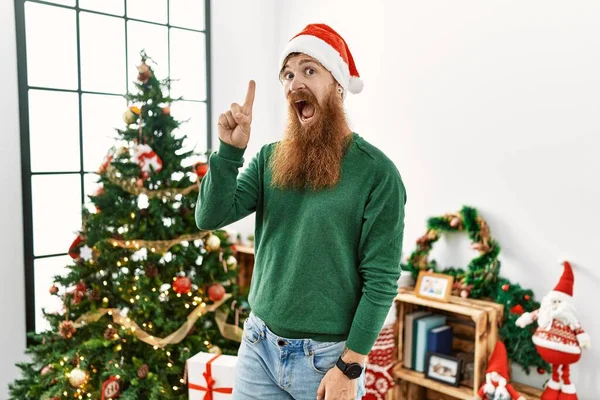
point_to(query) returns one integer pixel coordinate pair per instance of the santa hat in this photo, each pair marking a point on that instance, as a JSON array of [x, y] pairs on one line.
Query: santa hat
[[563, 291], [329, 48], [499, 361]]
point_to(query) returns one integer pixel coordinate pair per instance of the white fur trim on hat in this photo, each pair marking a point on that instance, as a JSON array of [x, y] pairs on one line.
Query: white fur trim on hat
[[560, 296], [322, 52]]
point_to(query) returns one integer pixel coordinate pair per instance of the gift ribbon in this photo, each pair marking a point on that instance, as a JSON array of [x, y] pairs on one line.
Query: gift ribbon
[[210, 382]]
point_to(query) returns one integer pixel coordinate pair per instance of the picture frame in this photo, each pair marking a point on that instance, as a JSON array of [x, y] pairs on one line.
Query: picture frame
[[443, 368], [434, 286]]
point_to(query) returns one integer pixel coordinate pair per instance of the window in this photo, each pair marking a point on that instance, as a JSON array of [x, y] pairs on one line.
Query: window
[[77, 59]]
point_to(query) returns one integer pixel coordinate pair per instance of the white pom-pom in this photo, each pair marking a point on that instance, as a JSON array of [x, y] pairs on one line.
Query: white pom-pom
[[355, 85]]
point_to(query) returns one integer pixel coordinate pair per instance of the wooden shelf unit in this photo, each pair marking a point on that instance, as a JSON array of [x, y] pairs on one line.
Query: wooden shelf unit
[[487, 316]]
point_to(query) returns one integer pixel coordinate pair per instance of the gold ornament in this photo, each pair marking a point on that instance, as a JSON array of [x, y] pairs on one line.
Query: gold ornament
[[215, 350], [213, 243], [129, 117], [77, 377]]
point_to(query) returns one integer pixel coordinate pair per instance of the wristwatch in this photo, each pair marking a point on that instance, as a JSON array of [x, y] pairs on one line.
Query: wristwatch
[[351, 370]]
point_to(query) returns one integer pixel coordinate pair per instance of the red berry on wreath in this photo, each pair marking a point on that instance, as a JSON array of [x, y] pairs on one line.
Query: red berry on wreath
[[53, 289], [182, 285], [216, 292], [527, 297], [505, 287]]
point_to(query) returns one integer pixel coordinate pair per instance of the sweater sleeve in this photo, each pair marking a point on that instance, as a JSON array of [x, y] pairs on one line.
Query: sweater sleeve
[[224, 197], [379, 252]]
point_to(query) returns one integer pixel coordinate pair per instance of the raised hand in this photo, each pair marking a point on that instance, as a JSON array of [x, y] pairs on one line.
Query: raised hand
[[234, 125]]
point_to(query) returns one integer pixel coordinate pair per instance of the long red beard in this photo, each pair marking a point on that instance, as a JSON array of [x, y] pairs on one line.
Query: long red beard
[[311, 157]]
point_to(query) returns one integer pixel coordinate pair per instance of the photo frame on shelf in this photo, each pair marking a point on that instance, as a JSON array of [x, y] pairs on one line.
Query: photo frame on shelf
[[443, 368], [434, 286]]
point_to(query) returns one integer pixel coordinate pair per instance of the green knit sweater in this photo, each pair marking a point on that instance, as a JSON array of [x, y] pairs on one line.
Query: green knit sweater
[[326, 262]]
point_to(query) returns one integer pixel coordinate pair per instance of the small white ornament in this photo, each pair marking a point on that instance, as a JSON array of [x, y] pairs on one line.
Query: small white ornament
[[164, 287], [231, 261], [142, 201], [85, 252], [213, 243], [77, 377]]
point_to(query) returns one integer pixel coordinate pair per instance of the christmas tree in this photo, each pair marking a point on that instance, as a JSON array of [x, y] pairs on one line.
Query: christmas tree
[[147, 290]]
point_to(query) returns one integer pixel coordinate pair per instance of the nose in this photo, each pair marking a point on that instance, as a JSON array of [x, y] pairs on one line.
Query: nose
[[297, 84]]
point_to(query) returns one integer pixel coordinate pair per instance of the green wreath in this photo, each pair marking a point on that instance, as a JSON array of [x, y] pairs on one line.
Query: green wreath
[[481, 279]]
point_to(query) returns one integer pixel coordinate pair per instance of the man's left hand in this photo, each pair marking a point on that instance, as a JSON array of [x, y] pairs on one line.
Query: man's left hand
[[337, 386]]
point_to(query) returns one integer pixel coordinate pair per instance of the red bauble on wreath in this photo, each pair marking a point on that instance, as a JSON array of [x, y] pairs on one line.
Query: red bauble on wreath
[[182, 285]]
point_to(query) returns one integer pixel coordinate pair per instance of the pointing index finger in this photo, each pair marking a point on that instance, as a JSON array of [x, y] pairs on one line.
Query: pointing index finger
[[249, 102]]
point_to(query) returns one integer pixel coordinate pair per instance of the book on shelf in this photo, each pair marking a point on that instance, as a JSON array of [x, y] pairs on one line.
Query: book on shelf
[[423, 326], [410, 337], [439, 340]]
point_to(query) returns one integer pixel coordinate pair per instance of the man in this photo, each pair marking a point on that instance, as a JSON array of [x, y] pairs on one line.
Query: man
[[328, 237]]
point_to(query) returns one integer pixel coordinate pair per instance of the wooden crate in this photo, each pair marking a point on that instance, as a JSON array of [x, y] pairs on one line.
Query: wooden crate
[[475, 323], [245, 257]]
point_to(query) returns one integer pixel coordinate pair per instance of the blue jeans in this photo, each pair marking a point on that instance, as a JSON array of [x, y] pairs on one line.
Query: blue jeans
[[271, 367]]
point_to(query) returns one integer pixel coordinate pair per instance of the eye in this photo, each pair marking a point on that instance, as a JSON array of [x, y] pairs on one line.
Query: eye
[[288, 76], [310, 71]]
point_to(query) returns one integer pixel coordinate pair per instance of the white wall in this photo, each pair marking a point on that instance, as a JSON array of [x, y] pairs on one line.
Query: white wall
[[12, 295], [244, 38], [492, 104]]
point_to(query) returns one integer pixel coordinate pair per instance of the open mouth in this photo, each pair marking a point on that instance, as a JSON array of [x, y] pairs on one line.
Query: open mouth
[[305, 111]]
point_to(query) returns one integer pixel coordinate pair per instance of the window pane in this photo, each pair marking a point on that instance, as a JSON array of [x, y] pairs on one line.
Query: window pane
[[148, 10], [188, 64], [44, 270], [64, 2], [91, 186], [195, 128], [187, 13], [154, 40], [107, 6], [101, 115], [51, 46], [54, 131], [56, 206], [102, 53]]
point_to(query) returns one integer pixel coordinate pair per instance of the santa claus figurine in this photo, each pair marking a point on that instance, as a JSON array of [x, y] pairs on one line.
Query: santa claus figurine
[[496, 386], [559, 338]]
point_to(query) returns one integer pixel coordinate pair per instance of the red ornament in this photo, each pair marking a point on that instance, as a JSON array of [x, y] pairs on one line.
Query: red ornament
[[201, 169], [111, 388], [505, 287], [182, 285], [104, 166], [139, 182], [527, 297], [216, 292], [518, 309], [74, 246], [80, 287], [541, 371], [166, 110], [144, 72], [53, 289]]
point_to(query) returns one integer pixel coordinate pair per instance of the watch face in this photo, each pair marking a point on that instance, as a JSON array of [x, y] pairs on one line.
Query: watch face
[[353, 371]]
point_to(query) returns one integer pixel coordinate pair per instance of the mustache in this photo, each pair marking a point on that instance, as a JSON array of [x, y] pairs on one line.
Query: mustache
[[301, 95]]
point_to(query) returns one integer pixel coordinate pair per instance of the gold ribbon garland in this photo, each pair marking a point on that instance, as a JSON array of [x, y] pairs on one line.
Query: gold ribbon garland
[[227, 330], [157, 245], [130, 186]]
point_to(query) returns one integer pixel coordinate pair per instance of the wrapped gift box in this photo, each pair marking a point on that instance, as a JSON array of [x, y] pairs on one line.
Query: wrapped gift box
[[211, 373]]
